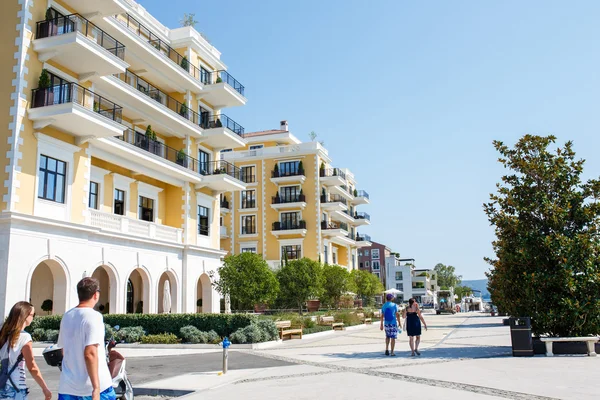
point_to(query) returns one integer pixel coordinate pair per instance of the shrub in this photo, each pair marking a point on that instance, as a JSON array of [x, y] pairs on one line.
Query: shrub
[[108, 331], [163, 338], [238, 337], [213, 337], [39, 335], [191, 334], [348, 318], [52, 335], [130, 334], [268, 329]]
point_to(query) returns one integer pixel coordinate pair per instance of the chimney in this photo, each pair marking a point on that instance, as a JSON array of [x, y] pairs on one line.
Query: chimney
[[284, 126]]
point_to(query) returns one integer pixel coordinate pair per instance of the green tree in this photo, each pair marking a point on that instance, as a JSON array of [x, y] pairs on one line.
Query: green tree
[[299, 281], [462, 291], [365, 284], [446, 276], [188, 20], [547, 244], [248, 280], [336, 281]]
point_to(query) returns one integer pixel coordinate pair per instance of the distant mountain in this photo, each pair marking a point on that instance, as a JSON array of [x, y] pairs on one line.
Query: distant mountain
[[478, 284]]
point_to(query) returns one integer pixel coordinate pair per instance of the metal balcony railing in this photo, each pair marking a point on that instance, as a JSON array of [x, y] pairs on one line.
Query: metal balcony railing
[[77, 23], [333, 198], [225, 204], [276, 173], [361, 193], [334, 225], [332, 172], [362, 215], [223, 76], [362, 238], [288, 225], [248, 178], [248, 203], [222, 120], [288, 199], [73, 93]]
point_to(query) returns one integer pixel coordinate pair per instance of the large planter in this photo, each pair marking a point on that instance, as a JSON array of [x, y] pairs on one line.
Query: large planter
[[260, 308], [313, 305], [539, 347], [358, 303]]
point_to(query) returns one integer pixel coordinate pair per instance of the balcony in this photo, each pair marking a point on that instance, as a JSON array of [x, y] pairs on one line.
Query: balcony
[[221, 131], [224, 234], [360, 197], [289, 228], [75, 110], [333, 202], [225, 207], [362, 240], [332, 177], [145, 102], [362, 218], [342, 216], [336, 232], [247, 177], [220, 176], [135, 227], [342, 191], [77, 44], [222, 90], [288, 176], [288, 150], [247, 204], [287, 202], [161, 63]]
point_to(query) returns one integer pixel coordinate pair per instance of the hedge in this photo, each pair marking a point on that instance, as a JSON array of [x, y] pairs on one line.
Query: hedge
[[155, 324]]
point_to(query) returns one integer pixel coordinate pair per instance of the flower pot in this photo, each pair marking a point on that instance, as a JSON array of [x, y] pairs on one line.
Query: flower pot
[[358, 303], [313, 305], [260, 308]]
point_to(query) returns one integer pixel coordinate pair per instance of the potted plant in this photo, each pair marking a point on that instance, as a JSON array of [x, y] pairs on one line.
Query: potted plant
[[260, 308], [301, 197], [218, 124], [47, 306], [276, 171], [335, 172], [147, 138], [185, 64], [182, 158], [199, 305], [96, 107], [300, 168], [322, 169], [219, 80], [184, 111], [313, 305], [323, 196], [277, 198], [48, 27], [139, 309], [43, 95], [355, 193]]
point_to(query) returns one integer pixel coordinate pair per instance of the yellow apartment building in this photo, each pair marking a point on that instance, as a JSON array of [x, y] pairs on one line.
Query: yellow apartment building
[[111, 127], [296, 203]]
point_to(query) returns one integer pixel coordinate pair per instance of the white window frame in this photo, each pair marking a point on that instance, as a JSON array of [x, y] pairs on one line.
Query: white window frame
[[150, 192], [97, 175], [378, 265], [292, 242], [256, 221], [249, 245], [122, 183], [367, 264], [256, 146], [207, 201], [255, 183], [373, 256]]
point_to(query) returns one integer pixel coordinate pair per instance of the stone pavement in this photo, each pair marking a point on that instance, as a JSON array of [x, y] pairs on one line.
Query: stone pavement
[[465, 356]]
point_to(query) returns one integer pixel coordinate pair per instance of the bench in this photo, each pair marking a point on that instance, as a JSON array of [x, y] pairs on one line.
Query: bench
[[331, 321], [377, 314], [361, 316], [590, 341], [285, 329]]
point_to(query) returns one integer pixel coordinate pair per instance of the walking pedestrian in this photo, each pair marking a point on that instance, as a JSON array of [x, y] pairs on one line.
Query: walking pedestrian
[[390, 321], [85, 374], [16, 353], [413, 319]]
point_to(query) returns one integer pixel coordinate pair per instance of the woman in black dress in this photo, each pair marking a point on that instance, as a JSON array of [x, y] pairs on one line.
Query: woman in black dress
[[413, 317]]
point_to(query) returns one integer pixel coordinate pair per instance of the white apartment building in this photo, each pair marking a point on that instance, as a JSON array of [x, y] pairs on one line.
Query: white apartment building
[[418, 283]]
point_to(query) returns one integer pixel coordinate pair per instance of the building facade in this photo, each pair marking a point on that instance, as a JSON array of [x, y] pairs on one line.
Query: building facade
[[373, 259], [112, 127], [296, 204]]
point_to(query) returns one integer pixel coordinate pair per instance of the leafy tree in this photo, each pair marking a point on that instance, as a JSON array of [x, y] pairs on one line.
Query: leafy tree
[[462, 291], [188, 20], [365, 285], [446, 276], [47, 305], [248, 280], [336, 281], [547, 244], [299, 281]]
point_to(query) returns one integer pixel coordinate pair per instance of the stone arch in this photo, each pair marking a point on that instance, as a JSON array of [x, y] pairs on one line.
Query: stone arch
[[49, 279], [138, 281], [108, 277], [174, 289], [204, 291]]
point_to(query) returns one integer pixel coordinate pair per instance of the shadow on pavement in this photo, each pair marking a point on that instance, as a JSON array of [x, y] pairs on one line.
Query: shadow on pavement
[[452, 353]]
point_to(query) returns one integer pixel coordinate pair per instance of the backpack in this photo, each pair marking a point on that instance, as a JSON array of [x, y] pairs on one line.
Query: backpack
[[6, 370]]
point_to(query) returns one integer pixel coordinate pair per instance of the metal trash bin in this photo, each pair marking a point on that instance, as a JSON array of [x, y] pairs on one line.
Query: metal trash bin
[[520, 337]]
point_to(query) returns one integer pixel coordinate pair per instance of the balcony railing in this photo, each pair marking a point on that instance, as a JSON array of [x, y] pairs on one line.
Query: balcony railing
[[136, 27], [332, 172], [288, 199], [362, 215], [222, 120], [119, 223], [361, 193], [288, 225], [224, 76], [74, 93], [276, 173], [333, 198], [76, 23], [334, 225], [248, 178], [225, 204], [159, 96], [362, 238], [248, 204]]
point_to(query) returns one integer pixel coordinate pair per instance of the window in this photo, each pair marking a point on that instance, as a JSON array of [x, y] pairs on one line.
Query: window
[[334, 255], [360, 253], [119, 205], [202, 221], [398, 275], [256, 146], [293, 252], [289, 168], [289, 194], [93, 201], [376, 265], [366, 264], [248, 174], [375, 254], [290, 220], [376, 274], [248, 198], [249, 250], [220, 221], [52, 179], [353, 262], [366, 253], [325, 250], [204, 162], [400, 286], [146, 209], [248, 224]]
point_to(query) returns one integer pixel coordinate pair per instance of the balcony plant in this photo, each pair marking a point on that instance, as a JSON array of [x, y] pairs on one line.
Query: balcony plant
[[43, 93], [355, 193], [276, 171], [335, 172], [147, 138], [184, 111], [322, 169], [277, 198], [185, 64], [48, 27], [182, 158], [300, 168], [218, 123], [219, 80]]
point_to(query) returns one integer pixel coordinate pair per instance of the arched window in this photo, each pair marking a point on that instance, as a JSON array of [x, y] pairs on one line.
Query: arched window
[[129, 297]]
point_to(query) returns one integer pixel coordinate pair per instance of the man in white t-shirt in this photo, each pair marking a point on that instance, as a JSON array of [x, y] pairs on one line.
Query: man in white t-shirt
[[85, 374]]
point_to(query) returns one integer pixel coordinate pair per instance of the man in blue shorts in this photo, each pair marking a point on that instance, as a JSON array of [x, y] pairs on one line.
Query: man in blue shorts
[[390, 318]]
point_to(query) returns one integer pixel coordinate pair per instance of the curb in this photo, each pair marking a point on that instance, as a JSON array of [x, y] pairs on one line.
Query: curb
[[161, 392]]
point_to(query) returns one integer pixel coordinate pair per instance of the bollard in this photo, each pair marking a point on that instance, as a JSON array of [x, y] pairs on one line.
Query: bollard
[[226, 344]]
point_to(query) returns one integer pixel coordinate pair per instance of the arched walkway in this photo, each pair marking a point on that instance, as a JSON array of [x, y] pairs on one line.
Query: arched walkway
[[204, 292], [108, 289], [173, 290], [49, 282], [137, 292]]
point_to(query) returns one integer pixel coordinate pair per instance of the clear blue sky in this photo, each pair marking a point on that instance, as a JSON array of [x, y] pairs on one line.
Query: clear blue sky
[[410, 94]]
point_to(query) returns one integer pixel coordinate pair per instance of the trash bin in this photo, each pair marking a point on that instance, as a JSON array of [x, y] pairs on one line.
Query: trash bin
[[520, 336]]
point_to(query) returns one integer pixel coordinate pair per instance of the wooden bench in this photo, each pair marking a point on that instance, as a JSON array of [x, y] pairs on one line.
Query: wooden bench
[[285, 329], [331, 322], [377, 314], [361, 316], [590, 341]]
